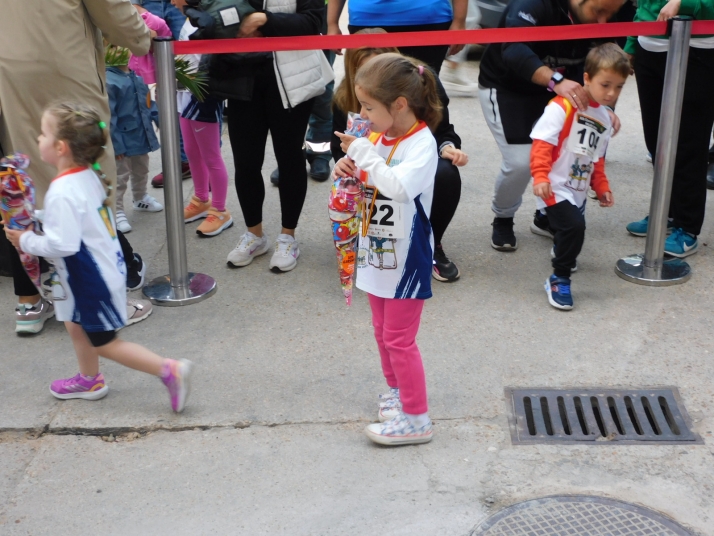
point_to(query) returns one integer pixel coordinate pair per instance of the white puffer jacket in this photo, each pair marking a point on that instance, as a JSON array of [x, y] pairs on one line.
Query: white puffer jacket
[[301, 74]]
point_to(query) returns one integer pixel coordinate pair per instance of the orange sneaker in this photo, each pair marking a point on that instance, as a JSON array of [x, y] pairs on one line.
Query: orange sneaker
[[195, 210], [215, 223]]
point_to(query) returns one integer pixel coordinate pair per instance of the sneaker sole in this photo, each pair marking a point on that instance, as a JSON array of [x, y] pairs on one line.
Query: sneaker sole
[[135, 319], [137, 209], [436, 275], [218, 231], [402, 440], [87, 395], [552, 301], [504, 247], [186, 380], [682, 255], [282, 270], [540, 232], [240, 264], [32, 327], [196, 217]]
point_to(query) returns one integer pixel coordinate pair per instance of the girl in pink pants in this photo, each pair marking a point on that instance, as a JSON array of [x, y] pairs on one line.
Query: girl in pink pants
[[394, 260]]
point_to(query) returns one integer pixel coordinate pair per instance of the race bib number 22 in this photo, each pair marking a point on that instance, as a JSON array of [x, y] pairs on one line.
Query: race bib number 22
[[386, 219]]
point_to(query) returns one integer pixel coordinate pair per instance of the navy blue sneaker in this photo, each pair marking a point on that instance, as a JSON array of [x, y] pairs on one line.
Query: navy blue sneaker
[[558, 291]]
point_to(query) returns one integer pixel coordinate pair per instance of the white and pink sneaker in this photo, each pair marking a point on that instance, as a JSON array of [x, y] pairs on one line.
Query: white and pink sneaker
[[286, 254], [249, 247]]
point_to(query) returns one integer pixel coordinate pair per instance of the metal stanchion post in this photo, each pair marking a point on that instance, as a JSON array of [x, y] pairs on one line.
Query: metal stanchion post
[[651, 268], [180, 287]]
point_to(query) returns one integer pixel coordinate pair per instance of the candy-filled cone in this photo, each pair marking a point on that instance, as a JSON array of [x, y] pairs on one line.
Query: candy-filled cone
[[17, 206], [345, 208]]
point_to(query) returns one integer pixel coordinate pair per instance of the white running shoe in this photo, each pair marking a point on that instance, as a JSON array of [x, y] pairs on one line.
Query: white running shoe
[[389, 409], [286, 254], [122, 222], [455, 82], [148, 204], [399, 431], [249, 247]]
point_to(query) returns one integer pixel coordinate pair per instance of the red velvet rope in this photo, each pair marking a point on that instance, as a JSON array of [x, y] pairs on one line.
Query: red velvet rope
[[446, 37]]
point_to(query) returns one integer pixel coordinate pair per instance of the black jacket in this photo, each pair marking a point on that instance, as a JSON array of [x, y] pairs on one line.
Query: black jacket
[[444, 131], [231, 75], [510, 66]]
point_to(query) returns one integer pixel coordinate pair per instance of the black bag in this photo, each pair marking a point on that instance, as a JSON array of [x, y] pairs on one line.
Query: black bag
[[219, 19]]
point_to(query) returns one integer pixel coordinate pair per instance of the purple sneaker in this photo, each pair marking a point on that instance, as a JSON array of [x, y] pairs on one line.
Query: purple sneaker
[[80, 387], [176, 374]]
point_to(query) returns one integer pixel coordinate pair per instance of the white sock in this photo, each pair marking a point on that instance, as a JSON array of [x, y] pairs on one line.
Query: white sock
[[418, 420], [39, 302]]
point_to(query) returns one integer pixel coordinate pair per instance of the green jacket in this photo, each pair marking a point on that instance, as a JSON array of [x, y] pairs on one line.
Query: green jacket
[[648, 10]]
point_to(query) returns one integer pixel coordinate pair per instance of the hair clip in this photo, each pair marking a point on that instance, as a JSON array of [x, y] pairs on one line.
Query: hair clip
[[102, 125], [421, 70], [96, 166]]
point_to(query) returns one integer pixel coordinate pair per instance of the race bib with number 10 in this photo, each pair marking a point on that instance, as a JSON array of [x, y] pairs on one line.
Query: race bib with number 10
[[586, 134]]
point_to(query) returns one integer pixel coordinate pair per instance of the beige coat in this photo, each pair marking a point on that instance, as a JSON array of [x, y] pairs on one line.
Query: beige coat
[[52, 50]]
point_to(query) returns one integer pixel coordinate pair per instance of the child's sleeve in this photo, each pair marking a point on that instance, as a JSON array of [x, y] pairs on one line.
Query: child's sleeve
[[62, 228], [403, 182], [546, 136], [598, 179], [541, 161], [114, 95], [157, 24]]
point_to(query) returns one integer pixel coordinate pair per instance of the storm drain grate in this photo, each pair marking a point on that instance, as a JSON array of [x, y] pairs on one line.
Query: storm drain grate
[[577, 516], [634, 416]]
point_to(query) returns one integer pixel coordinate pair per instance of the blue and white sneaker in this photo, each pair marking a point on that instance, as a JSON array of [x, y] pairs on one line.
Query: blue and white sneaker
[[399, 431], [681, 244], [558, 291], [639, 228]]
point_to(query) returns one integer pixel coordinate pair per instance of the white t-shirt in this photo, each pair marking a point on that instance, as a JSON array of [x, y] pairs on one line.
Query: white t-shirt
[[81, 240], [580, 140], [395, 259]]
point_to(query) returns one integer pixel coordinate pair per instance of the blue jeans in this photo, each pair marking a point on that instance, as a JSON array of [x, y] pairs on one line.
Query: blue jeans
[[174, 20]]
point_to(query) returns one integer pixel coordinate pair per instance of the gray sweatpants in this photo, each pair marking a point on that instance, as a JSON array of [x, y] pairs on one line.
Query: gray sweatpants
[[515, 173], [136, 169]]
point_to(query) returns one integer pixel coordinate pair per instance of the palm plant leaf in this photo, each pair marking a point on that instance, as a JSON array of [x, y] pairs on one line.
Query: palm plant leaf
[[195, 81]]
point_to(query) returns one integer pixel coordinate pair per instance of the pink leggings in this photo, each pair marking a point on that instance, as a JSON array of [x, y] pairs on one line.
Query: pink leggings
[[396, 323], [202, 142]]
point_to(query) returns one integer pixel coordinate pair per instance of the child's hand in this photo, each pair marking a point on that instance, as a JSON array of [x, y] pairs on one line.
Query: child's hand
[[346, 140], [344, 167], [543, 190], [606, 199], [14, 236], [457, 156]]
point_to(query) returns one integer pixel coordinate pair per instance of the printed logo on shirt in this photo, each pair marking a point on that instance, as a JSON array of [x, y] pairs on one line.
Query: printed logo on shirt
[[527, 17], [382, 254], [121, 263], [579, 176], [107, 219]]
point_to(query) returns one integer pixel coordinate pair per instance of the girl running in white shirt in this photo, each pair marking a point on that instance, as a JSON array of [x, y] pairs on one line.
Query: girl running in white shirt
[[394, 261], [89, 287]]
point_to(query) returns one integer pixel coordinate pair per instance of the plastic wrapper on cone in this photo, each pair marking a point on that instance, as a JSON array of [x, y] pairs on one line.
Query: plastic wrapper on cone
[[344, 209], [17, 206]]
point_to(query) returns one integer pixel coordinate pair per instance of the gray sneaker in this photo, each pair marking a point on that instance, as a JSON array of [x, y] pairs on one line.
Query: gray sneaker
[[137, 310], [30, 319]]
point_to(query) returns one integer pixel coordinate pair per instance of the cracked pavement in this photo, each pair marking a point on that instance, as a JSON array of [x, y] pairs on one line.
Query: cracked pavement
[[286, 378]]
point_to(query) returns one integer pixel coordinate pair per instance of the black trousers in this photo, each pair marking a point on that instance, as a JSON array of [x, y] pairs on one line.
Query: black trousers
[[447, 193], [689, 188], [568, 222], [433, 56], [248, 125], [24, 285]]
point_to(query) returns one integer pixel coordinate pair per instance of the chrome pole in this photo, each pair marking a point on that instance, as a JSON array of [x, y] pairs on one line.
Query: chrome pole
[[179, 287], [651, 268]]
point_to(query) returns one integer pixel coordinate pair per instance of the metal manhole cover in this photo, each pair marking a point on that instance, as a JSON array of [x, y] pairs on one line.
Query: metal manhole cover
[[599, 416], [577, 516]]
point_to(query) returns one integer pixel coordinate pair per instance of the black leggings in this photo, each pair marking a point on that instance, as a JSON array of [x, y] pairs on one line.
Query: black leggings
[[248, 126], [433, 55], [447, 193], [689, 187]]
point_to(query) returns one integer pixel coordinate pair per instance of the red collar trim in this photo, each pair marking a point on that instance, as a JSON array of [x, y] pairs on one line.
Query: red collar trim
[[420, 126], [593, 104], [69, 172]]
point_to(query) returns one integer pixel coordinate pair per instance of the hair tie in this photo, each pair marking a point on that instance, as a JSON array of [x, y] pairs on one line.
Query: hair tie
[[421, 70], [102, 125], [96, 166]]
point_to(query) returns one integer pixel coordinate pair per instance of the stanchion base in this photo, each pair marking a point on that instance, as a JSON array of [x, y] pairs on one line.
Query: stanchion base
[[160, 291], [633, 269]]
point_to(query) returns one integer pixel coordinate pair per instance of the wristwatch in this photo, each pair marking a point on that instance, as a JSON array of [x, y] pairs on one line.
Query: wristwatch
[[557, 78]]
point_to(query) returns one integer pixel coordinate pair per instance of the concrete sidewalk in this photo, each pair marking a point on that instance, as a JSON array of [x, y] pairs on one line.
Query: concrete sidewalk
[[287, 376]]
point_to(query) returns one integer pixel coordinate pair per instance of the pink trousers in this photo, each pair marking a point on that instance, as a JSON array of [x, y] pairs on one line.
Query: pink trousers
[[396, 323], [202, 143]]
